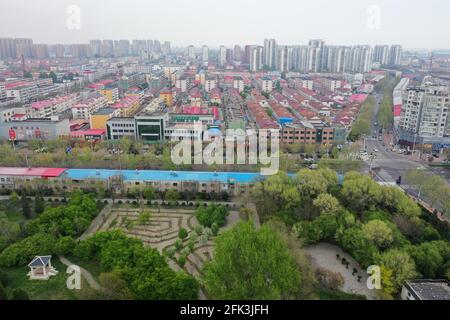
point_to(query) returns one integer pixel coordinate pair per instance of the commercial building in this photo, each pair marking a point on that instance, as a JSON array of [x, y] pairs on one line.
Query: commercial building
[[305, 132], [426, 290], [118, 128], [234, 183], [99, 119], [30, 129]]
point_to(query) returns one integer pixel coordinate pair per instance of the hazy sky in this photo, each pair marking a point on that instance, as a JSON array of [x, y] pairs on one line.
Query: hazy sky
[[412, 23]]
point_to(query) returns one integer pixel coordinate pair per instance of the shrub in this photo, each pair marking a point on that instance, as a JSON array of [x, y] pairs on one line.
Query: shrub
[[20, 253], [170, 252], [2, 292], [182, 233], [330, 280], [19, 294], [215, 228], [178, 244], [181, 261], [64, 245], [206, 216], [4, 278], [186, 251]]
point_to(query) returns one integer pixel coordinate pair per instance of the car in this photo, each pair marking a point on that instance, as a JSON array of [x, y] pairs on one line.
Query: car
[[375, 150]]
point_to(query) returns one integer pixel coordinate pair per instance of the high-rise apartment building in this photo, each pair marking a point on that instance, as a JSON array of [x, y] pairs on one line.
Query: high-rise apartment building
[[191, 52], [205, 54], [96, 47], [256, 58], [270, 53], [7, 48], [425, 111], [300, 58], [284, 58], [381, 54], [237, 54], [395, 55], [315, 55], [222, 57]]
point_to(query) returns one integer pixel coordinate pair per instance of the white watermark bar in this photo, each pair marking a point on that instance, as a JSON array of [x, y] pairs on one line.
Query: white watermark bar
[[236, 147]]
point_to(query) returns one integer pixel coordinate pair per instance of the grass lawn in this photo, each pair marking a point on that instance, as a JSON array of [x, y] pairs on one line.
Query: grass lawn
[[325, 294], [12, 212], [53, 289], [90, 265]]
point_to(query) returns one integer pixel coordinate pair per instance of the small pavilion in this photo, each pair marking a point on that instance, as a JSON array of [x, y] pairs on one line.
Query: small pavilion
[[41, 268]]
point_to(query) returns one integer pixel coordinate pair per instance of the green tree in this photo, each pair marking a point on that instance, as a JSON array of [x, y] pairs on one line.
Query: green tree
[[14, 198], [327, 204], [115, 287], [431, 258], [354, 241], [209, 215], [360, 192], [19, 294], [39, 204], [3, 295], [323, 228], [379, 233], [274, 193], [25, 206], [251, 264], [401, 265], [172, 195], [144, 269], [149, 193], [53, 76]]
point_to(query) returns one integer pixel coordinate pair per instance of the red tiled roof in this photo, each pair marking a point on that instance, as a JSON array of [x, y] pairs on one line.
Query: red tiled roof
[[31, 172]]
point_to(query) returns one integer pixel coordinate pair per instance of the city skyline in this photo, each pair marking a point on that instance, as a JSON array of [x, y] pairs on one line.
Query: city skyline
[[368, 22]]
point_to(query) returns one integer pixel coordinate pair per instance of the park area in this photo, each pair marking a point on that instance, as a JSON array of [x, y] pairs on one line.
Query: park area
[[173, 231]]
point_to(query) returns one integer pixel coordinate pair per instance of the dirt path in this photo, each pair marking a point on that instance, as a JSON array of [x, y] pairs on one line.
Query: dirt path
[[98, 221], [86, 274]]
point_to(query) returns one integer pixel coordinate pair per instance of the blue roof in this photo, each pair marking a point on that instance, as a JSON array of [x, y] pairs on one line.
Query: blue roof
[[161, 175], [40, 261], [165, 175]]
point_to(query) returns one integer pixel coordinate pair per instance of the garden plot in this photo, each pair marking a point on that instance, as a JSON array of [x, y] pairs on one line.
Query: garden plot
[[174, 232]]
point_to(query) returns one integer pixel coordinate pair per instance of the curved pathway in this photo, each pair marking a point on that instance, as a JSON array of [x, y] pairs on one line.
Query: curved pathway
[[86, 274]]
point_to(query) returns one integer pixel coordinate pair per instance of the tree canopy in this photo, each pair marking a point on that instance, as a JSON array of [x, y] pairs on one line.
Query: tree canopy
[[251, 264]]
